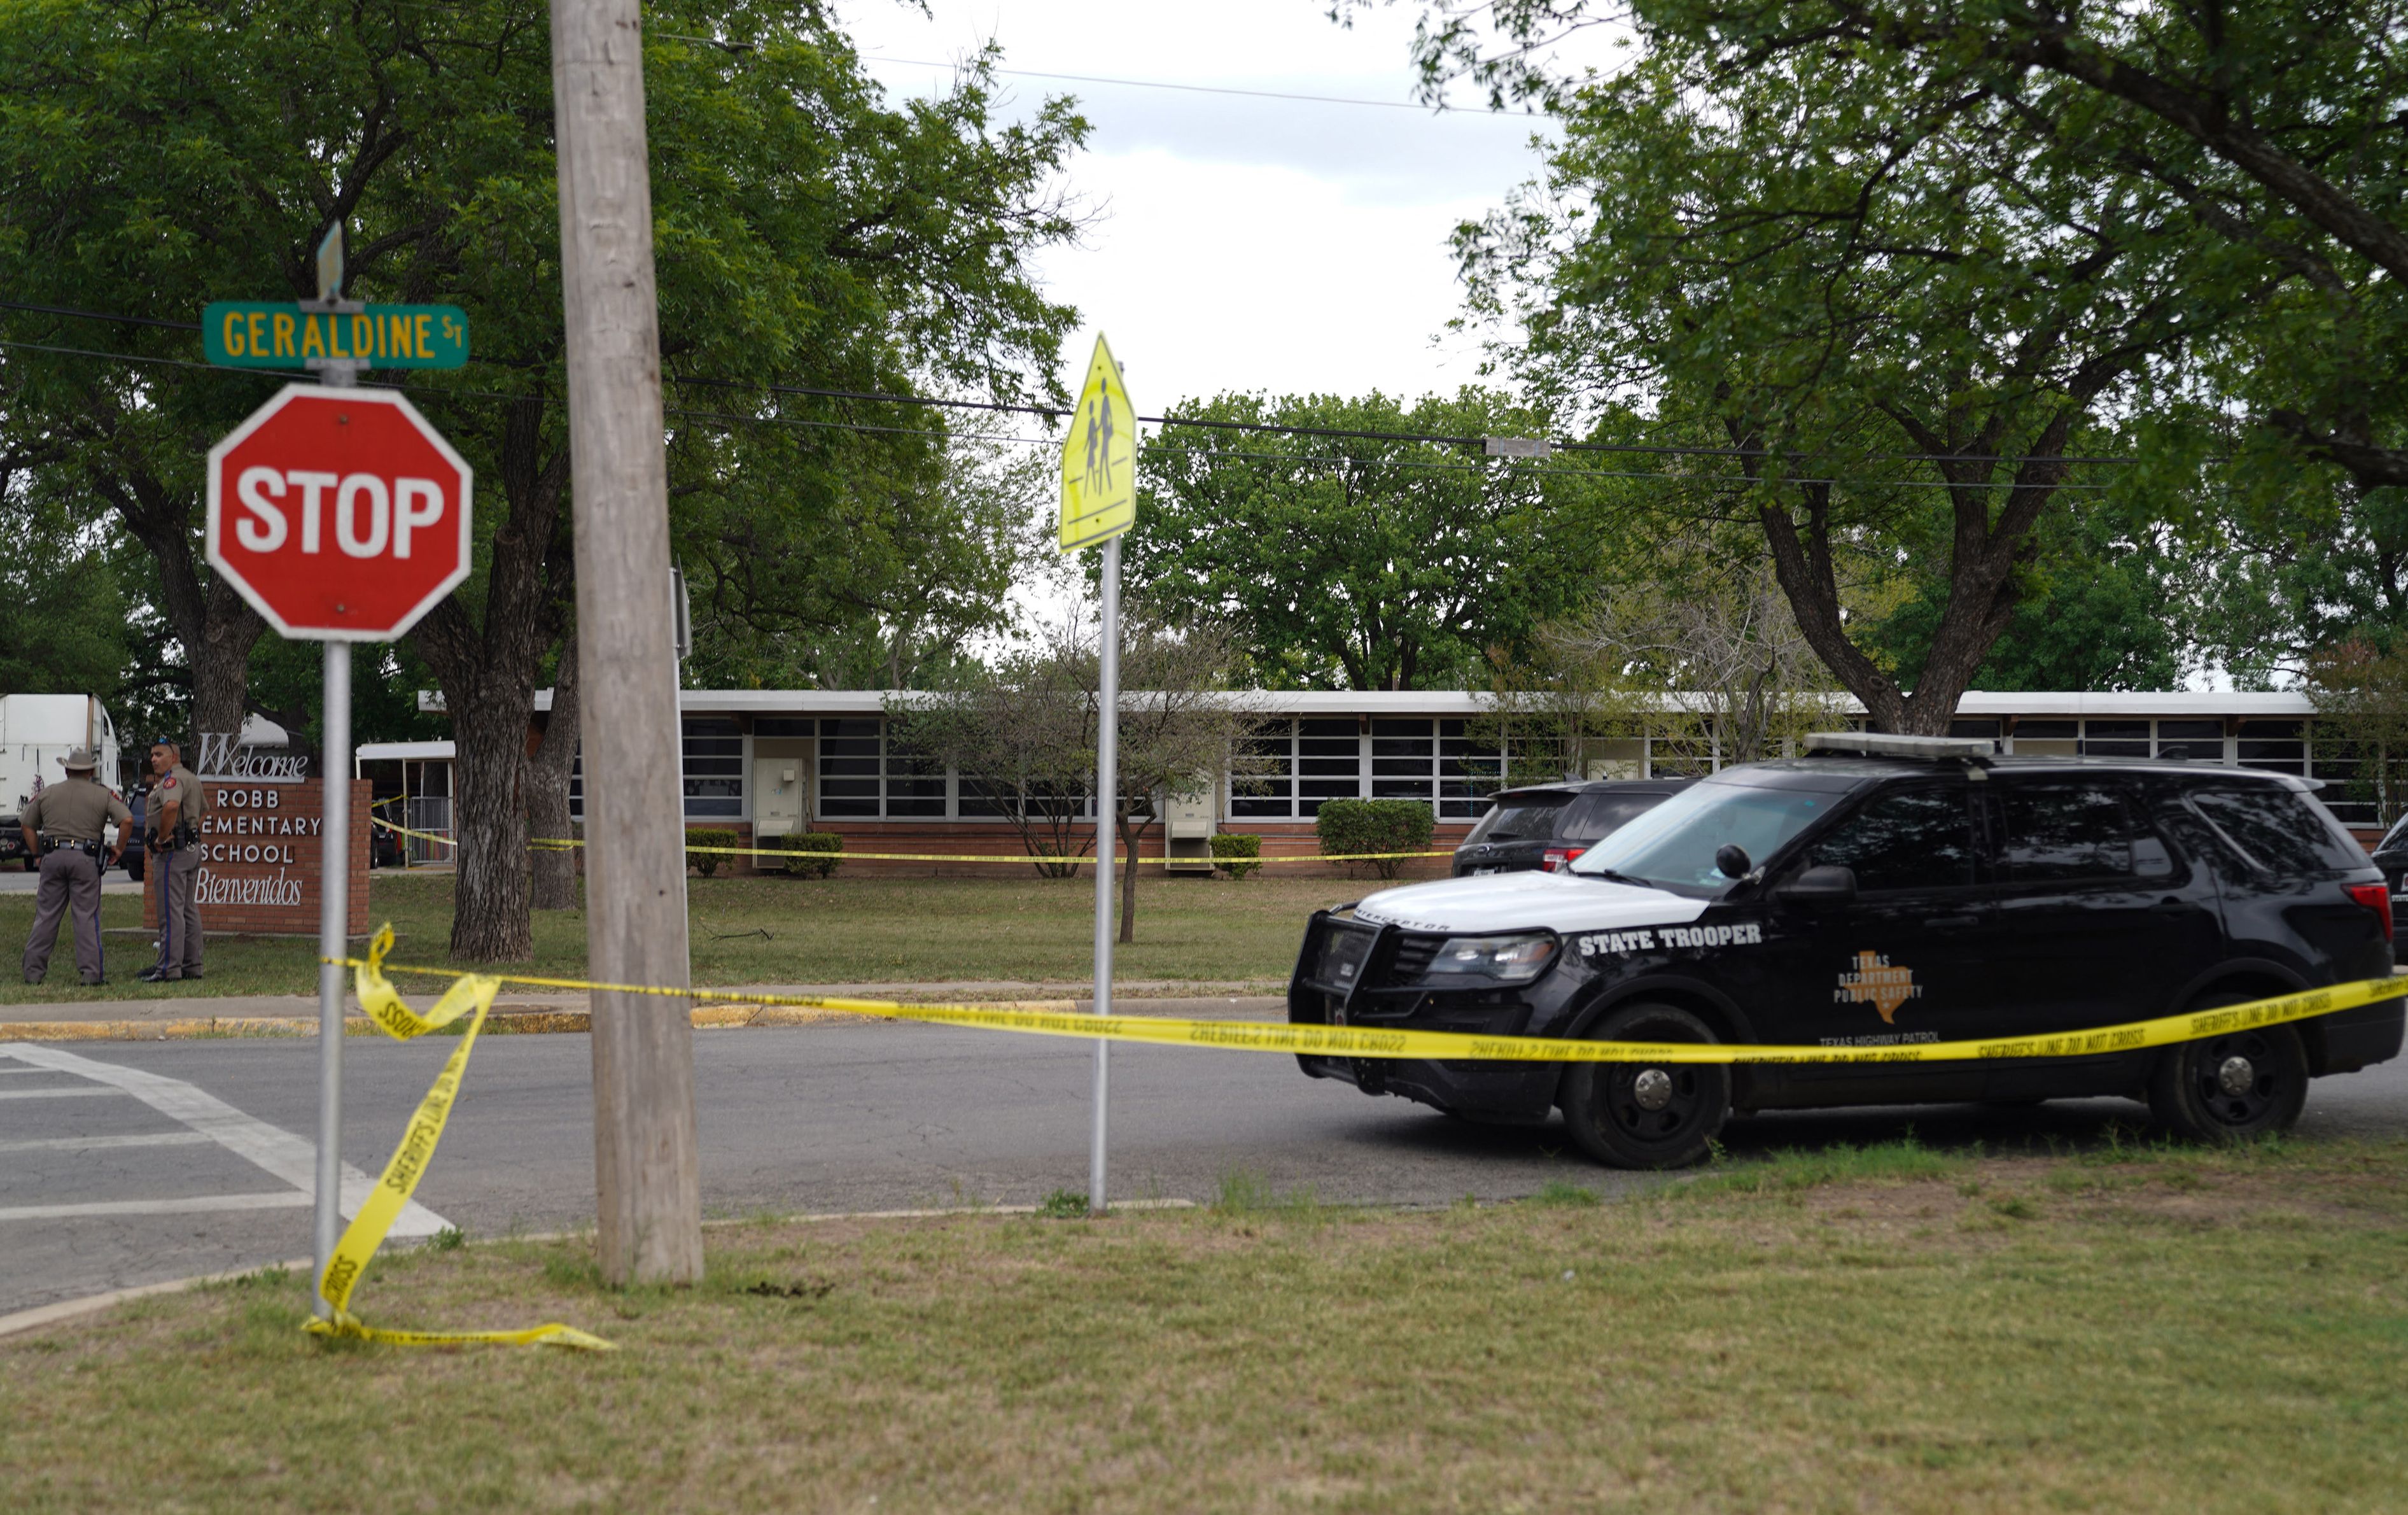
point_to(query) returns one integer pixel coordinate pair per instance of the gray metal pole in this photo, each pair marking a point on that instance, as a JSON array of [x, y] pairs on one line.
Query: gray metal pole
[[1107, 741], [333, 941], [647, 1162]]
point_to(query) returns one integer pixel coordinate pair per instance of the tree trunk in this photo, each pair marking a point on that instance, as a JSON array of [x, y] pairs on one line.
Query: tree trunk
[[554, 869], [216, 625], [1982, 596], [1130, 841], [489, 919], [488, 675], [219, 654]]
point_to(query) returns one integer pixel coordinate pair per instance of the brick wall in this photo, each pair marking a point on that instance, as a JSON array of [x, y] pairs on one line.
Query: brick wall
[[258, 858]]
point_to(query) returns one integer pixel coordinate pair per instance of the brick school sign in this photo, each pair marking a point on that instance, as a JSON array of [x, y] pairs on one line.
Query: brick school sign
[[257, 872]]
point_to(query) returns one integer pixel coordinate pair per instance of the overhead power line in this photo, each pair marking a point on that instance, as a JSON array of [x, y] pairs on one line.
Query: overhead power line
[[100, 316], [1218, 89], [1053, 412]]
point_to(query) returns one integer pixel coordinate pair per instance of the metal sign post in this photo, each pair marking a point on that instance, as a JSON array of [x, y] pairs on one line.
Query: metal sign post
[[1098, 503], [1107, 769], [334, 944], [334, 864]]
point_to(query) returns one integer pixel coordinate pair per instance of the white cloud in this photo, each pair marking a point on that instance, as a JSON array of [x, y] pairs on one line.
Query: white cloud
[[1246, 243]]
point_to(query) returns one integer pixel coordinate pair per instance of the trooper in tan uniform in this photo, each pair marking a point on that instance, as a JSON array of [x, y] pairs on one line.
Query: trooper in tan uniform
[[174, 820], [65, 824]]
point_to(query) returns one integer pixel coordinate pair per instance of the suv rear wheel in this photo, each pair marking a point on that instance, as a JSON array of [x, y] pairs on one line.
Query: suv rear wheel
[[2233, 1086], [1647, 1115]]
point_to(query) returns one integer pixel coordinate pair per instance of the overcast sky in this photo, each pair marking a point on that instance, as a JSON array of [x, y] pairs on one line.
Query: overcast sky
[[1241, 244]]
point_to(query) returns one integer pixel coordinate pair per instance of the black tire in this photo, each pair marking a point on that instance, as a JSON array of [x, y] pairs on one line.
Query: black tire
[[2233, 1086], [1640, 1115], [133, 867]]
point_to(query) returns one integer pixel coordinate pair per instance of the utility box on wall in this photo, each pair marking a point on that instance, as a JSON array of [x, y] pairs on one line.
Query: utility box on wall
[[1187, 825], [780, 786]]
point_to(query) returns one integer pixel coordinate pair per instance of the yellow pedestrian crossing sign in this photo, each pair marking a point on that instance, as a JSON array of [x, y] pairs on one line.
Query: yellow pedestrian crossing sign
[[1099, 458]]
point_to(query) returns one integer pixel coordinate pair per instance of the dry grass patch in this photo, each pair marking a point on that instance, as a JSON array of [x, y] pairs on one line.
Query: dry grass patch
[[2155, 1329]]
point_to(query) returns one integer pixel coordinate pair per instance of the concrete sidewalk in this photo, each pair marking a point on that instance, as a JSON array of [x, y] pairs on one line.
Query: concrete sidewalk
[[519, 1012]]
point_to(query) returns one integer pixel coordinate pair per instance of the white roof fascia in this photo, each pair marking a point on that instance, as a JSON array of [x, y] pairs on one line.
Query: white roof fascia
[[1976, 703]]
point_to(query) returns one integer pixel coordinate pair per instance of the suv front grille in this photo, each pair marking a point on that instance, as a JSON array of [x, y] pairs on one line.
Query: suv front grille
[[1412, 959]]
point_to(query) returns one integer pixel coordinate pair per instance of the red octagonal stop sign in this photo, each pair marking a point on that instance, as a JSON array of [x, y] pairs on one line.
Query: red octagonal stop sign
[[339, 513]]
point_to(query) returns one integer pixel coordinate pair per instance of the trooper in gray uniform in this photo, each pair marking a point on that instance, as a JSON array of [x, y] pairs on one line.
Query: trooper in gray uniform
[[174, 817], [65, 824]]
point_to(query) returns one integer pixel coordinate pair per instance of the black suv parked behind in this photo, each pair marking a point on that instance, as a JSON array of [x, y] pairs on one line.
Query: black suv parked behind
[[2391, 856], [1545, 826], [1882, 891]]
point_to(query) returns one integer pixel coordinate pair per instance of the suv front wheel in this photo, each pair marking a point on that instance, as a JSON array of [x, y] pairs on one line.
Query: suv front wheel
[[2233, 1086], [1647, 1115]]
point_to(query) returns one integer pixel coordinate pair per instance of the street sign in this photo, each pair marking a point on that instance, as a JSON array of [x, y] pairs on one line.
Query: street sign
[[339, 513], [263, 333], [1099, 458]]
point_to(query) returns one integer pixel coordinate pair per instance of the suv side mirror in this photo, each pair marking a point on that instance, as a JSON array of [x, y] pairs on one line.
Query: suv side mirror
[[1731, 861], [1826, 884]]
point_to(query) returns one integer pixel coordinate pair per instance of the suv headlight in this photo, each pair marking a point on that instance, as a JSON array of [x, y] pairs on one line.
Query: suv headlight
[[1509, 959]]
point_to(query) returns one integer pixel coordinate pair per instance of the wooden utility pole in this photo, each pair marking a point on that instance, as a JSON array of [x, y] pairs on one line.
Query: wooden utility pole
[[645, 1158]]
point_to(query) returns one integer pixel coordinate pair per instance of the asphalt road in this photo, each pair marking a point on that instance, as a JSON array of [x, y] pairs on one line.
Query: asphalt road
[[124, 1163]]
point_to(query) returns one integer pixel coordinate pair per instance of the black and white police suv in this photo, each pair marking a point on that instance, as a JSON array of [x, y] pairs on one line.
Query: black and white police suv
[[1879, 891]]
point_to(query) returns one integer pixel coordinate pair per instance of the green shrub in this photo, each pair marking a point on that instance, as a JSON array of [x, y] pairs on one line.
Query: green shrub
[[1063, 1204], [810, 853], [1348, 827], [1231, 845], [707, 863]]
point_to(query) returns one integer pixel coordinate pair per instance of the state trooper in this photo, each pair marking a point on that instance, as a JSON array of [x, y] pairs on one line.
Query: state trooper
[[67, 825], [174, 820]]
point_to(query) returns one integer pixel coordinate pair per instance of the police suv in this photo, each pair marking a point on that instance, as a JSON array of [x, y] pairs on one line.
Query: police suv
[[1880, 891]]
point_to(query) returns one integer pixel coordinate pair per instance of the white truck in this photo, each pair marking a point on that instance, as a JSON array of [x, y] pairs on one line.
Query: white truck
[[36, 732]]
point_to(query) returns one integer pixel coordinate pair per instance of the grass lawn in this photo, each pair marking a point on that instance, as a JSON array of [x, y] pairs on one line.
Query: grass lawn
[[1893, 1329], [783, 930]]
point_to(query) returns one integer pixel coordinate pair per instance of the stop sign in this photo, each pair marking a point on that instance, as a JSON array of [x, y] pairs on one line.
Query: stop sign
[[341, 513]]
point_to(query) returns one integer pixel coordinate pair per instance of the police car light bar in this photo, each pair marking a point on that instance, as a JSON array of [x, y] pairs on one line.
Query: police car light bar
[[1884, 745]]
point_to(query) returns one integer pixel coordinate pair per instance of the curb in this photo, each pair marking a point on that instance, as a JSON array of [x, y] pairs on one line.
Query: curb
[[71, 1309], [511, 1023]]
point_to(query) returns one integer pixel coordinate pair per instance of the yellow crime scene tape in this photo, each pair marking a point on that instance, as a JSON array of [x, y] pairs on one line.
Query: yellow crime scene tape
[[780, 854], [367, 1233], [1309, 1040], [476, 991]]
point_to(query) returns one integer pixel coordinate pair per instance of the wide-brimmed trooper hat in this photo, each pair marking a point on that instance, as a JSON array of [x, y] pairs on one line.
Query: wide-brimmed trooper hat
[[79, 760]]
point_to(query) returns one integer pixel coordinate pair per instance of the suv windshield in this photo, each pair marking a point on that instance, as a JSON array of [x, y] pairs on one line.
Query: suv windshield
[[1673, 844], [2397, 836], [1520, 817]]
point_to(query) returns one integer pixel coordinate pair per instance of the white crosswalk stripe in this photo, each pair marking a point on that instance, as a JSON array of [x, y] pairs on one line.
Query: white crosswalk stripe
[[279, 1152], [104, 1144]]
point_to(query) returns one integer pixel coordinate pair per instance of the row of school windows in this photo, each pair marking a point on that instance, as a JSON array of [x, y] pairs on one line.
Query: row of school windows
[[1451, 764]]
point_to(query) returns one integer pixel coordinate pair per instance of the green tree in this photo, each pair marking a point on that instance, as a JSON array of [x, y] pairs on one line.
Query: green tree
[[2108, 599], [2361, 700], [2272, 128], [807, 234], [1343, 556], [63, 615], [1893, 312], [934, 554], [1023, 735]]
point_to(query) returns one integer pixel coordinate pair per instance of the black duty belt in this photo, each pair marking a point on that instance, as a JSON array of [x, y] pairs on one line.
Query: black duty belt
[[69, 843]]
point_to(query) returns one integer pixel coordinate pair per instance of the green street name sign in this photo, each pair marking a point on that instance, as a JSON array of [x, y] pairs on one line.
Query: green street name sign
[[247, 334]]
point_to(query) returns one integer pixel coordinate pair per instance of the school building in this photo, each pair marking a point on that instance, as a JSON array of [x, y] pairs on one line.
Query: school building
[[766, 762]]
